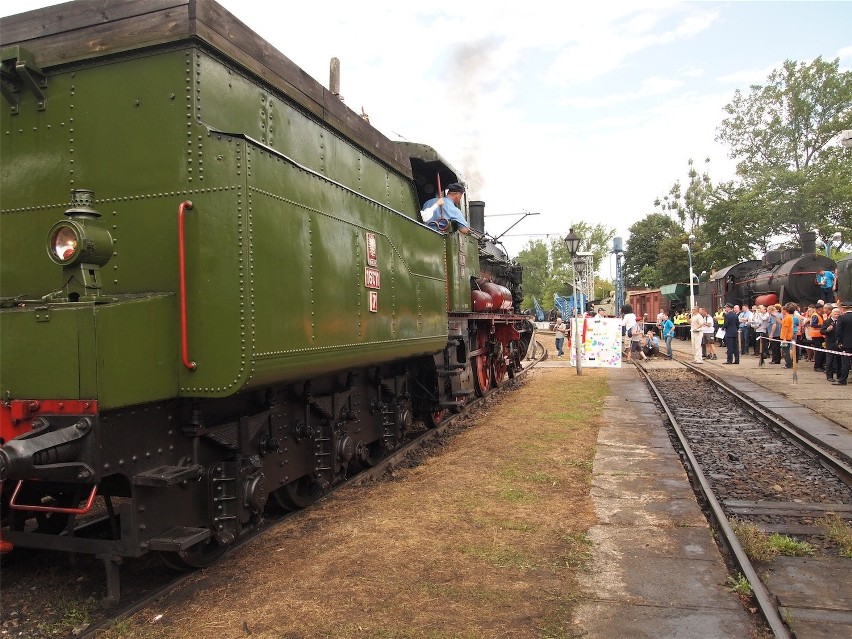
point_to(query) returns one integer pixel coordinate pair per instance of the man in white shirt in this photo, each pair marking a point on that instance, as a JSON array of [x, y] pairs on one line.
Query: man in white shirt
[[697, 333], [745, 329]]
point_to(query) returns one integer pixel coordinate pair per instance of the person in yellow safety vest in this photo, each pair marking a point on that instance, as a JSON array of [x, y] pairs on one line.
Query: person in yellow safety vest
[[720, 320]]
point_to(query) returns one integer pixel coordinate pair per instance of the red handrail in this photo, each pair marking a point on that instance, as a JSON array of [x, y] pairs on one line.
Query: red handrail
[[184, 349], [52, 509]]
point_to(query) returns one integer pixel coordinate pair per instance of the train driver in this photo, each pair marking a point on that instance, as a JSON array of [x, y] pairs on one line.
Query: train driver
[[445, 210]]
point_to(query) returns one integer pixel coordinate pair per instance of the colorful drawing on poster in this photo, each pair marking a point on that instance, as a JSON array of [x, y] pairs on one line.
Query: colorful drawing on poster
[[601, 342]]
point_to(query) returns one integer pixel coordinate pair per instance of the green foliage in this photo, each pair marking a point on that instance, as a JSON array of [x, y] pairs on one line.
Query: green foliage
[[789, 547], [643, 249], [759, 546], [839, 531], [690, 204], [548, 269], [535, 258], [740, 585], [792, 177], [781, 133]]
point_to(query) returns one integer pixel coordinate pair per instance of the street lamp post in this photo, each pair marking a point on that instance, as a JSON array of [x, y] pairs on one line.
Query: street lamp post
[[572, 243], [688, 249], [579, 269]]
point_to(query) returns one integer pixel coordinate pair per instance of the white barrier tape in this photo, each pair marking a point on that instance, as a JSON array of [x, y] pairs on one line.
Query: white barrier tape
[[810, 348]]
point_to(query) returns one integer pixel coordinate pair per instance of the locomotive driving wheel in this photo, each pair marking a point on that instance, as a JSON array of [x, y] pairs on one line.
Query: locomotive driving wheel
[[481, 365], [303, 492], [500, 366]]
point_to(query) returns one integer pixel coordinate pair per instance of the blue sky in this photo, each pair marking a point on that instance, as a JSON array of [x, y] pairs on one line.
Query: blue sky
[[577, 111]]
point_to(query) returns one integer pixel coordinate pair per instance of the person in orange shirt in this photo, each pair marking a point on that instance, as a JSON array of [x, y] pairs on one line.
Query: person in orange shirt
[[786, 336]]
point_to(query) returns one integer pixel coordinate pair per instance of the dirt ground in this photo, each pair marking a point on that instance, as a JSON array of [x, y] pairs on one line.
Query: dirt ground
[[484, 539]]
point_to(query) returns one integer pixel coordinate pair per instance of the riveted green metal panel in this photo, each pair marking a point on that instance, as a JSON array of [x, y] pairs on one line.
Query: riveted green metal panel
[[462, 264], [137, 350], [230, 101], [40, 353], [311, 303], [82, 351], [126, 141], [34, 163]]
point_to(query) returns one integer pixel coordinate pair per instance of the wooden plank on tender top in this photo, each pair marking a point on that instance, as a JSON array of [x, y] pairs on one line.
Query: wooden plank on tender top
[[159, 27], [70, 16]]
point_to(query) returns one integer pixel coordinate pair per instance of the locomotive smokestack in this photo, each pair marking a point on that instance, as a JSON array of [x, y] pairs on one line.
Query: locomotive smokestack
[[334, 77], [808, 240], [476, 208]]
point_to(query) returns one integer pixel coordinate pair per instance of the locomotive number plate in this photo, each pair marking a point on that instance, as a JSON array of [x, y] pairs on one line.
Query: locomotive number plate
[[374, 301], [372, 278]]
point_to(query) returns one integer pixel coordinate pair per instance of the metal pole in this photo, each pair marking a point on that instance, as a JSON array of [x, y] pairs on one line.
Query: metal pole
[[577, 333]]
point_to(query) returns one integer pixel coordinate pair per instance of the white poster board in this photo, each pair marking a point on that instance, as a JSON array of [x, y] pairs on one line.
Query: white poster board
[[600, 342]]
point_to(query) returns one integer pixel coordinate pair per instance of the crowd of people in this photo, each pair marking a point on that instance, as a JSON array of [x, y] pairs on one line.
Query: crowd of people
[[820, 334]]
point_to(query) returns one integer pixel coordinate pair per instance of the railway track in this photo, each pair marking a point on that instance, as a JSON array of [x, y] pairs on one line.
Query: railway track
[[51, 607], [757, 476]]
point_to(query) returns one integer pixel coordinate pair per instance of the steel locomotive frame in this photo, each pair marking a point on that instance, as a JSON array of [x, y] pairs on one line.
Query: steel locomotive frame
[[239, 308]]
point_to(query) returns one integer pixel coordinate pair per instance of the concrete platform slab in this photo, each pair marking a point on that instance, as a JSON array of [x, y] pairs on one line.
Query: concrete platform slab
[[613, 619], [657, 571]]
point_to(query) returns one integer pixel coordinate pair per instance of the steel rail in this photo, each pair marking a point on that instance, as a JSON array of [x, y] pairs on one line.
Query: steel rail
[[842, 469], [764, 600]]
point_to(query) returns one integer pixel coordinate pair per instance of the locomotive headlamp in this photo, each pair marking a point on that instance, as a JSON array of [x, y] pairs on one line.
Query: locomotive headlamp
[[70, 243], [63, 243], [80, 245]]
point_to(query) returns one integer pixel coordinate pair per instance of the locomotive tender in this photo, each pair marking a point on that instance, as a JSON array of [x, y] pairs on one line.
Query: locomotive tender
[[240, 305]]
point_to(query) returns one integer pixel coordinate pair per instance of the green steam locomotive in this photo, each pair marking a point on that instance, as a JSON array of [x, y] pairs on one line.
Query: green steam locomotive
[[239, 306]]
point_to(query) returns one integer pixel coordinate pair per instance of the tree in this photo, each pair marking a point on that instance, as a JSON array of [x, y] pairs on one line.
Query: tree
[[737, 224], [782, 132], [690, 205], [549, 269], [535, 259], [642, 253]]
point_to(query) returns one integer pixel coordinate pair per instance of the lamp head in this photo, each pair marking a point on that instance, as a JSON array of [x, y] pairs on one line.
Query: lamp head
[[572, 242]]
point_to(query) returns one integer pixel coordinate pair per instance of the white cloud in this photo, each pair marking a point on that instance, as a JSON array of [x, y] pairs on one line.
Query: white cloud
[[653, 86], [845, 52], [748, 77]]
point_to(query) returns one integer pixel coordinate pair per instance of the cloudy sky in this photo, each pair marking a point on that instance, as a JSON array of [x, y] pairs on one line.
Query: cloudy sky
[[576, 111]]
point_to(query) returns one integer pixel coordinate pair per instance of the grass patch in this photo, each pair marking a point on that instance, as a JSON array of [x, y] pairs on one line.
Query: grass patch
[[839, 531], [579, 550], [72, 615], [740, 585], [790, 547], [500, 557], [485, 539], [760, 546], [542, 478], [515, 495]]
